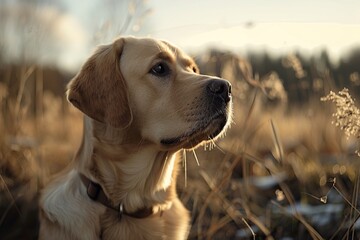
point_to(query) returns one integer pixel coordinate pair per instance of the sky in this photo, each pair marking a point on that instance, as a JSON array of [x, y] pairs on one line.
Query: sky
[[71, 29], [276, 25]]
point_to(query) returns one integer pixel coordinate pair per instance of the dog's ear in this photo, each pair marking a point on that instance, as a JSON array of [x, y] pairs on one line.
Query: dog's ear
[[99, 89]]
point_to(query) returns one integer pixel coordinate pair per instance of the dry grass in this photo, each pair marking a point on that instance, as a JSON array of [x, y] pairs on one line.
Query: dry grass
[[347, 115], [280, 172], [31, 149]]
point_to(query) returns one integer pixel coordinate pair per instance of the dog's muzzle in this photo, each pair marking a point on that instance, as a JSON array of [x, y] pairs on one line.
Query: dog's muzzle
[[210, 119]]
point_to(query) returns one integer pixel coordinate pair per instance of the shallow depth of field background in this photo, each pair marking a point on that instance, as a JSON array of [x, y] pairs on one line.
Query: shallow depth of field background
[[283, 171]]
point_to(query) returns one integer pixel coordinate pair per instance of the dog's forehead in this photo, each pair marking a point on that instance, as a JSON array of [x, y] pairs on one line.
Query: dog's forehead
[[149, 47]]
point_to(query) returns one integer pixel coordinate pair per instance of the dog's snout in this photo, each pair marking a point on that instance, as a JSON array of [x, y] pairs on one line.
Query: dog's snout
[[221, 88]]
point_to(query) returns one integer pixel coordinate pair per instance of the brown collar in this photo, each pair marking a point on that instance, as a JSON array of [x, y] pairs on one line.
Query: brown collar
[[96, 193]]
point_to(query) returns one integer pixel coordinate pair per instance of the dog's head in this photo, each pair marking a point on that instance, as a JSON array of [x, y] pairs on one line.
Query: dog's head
[[152, 86]]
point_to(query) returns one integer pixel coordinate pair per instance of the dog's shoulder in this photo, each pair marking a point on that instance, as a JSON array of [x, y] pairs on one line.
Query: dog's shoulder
[[64, 202]]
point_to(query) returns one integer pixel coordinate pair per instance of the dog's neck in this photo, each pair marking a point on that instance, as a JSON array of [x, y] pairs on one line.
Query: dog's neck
[[130, 171]]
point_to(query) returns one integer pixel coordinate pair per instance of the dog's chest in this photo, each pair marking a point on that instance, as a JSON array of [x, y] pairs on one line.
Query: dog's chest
[[130, 228]]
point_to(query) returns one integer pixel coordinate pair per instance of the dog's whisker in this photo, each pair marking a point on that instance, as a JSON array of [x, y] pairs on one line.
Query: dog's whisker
[[196, 158], [185, 168], [164, 165], [215, 145]]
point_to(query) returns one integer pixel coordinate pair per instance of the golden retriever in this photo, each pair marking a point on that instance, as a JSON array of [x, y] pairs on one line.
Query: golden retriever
[[143, 101]]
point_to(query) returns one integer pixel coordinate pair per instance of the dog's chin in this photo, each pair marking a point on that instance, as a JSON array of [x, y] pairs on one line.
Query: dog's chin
[[201, 134]]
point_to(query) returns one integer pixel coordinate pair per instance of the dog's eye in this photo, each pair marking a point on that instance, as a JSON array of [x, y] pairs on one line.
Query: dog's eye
[[195, 69], [160, 70]]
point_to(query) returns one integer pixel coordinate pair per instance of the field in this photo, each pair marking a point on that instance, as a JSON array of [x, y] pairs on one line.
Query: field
[[283, 171]]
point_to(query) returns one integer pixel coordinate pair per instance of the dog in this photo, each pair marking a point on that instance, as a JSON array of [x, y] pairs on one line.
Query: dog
[[144, 101]]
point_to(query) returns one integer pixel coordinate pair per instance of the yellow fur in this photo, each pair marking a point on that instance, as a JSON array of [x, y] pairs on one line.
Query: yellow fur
[[129, 111]]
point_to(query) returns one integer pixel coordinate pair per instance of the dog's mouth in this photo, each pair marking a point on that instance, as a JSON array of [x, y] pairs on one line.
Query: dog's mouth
[[204, 130]]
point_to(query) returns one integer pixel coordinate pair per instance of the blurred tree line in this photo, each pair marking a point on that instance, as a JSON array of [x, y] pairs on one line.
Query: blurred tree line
[[304, 78]]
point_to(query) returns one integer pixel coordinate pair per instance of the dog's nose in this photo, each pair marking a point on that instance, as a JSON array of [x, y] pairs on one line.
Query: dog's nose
[[221, 88]]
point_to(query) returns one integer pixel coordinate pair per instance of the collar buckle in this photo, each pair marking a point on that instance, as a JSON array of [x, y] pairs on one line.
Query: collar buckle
[[121, 211]]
